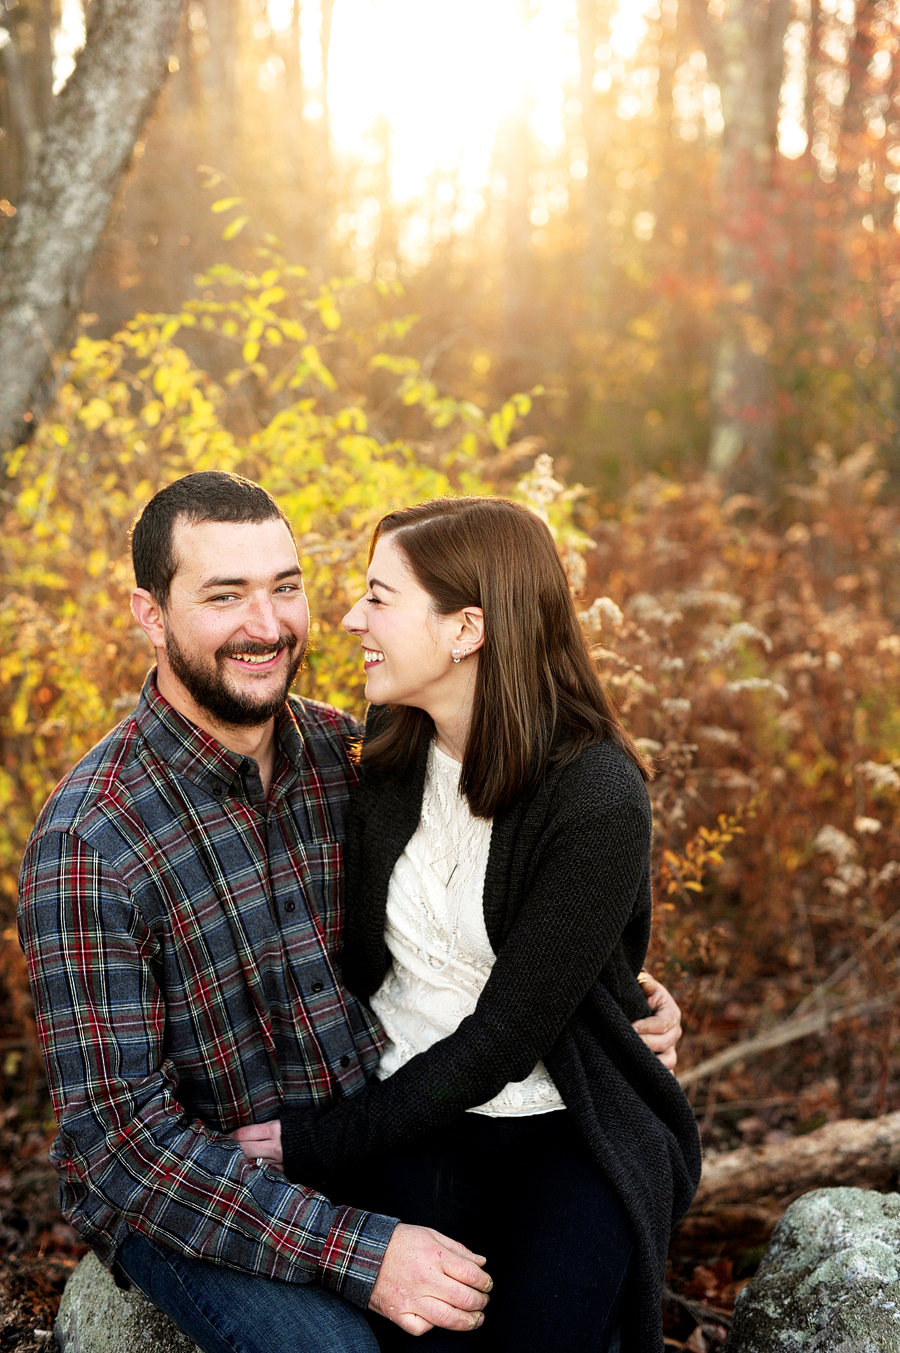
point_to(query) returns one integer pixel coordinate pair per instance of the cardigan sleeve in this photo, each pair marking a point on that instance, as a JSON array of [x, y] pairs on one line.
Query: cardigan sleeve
[[588, 878]]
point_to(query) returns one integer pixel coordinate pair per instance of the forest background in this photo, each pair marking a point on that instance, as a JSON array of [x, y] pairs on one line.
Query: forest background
[[668, 323]]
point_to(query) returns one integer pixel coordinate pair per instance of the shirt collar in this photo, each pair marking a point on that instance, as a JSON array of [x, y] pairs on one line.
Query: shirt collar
[[191, 752]]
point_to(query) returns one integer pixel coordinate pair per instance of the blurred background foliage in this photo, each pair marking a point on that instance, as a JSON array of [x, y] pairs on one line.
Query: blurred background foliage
[[687, 296], [682, 220]]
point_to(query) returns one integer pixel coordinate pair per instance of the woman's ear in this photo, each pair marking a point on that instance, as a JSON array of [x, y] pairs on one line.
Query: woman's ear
[[470, 635]]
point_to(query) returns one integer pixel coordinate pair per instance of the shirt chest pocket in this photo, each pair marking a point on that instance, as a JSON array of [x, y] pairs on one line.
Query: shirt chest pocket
[[319, 875]]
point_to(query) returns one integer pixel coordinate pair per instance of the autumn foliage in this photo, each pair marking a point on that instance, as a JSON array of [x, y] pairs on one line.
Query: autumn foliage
[[750, 645]]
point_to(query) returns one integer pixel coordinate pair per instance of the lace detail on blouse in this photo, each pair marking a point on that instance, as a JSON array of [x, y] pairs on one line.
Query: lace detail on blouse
[[437, 938]]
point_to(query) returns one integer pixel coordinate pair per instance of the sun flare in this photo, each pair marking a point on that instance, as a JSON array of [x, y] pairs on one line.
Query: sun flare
[[444, 77]]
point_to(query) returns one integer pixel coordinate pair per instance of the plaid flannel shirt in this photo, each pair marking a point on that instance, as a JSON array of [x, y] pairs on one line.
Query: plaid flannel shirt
[[182, 931]]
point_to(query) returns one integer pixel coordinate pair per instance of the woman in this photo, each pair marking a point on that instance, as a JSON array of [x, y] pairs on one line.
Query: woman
[[498, 885]]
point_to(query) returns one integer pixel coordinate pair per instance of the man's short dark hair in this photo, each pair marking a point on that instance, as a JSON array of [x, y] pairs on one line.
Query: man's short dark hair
[[208, 495]]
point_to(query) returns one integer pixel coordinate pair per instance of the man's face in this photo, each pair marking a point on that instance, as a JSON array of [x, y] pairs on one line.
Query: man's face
[[237, 621]]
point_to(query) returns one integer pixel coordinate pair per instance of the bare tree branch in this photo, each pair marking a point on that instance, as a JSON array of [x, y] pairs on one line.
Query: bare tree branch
[[788, 1032]]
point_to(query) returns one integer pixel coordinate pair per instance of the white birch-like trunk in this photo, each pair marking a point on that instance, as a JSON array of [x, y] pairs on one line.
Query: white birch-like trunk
[[48, 246]]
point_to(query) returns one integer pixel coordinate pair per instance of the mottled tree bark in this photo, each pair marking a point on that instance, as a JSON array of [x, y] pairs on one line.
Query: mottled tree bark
[[47, 249], [26, 89]]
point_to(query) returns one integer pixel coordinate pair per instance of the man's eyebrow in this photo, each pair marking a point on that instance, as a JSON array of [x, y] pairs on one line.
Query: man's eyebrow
[[294, 572], [376, 582]]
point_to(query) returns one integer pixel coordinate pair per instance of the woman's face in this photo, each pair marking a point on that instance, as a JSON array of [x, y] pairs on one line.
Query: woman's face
[[407, 647]]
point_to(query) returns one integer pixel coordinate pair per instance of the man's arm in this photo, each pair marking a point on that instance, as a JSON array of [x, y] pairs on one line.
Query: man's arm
[[662, 1030], [132, 1156]]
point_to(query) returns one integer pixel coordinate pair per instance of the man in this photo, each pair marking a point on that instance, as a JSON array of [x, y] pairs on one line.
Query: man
[[180, 910]]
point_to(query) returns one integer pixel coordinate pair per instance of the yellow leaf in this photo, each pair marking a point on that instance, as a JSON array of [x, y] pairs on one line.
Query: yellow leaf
[[271, 296], [250, 351], [329, 312], [97, 562], [225, 203], [95, 413], [152, 412], [234, 227]]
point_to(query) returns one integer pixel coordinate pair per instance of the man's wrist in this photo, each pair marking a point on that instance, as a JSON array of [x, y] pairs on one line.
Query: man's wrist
[[352, 1254]]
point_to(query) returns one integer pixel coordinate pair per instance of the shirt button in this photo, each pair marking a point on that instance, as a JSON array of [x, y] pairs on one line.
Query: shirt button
[[345, 1060], [318, 986], [290, 904]]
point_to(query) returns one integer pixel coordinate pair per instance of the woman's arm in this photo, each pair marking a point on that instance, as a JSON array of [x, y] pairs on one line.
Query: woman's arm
[[661, 1032], [581, 893]]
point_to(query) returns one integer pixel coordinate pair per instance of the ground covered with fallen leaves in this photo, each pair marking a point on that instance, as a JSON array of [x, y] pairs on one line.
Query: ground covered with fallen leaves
[[38, 1250], [785, 1093]]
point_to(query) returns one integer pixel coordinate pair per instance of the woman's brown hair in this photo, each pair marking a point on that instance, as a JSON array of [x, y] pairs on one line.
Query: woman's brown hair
[[538, 698]]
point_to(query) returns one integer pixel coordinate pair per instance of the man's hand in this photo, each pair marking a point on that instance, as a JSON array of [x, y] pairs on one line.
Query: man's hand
[[260, 1141], [661, 1030], [427, 1280]]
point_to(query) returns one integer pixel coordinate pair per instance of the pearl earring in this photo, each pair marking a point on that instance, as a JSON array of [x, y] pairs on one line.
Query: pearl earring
[[456, 654]]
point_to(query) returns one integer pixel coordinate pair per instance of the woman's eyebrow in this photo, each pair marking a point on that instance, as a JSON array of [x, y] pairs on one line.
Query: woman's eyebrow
[[376, 582]]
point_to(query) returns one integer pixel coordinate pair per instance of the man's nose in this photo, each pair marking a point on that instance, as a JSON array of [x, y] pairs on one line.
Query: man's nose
[[262, 622]]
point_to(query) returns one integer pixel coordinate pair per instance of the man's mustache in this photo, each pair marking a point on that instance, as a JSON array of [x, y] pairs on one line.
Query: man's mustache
[[256, 649]]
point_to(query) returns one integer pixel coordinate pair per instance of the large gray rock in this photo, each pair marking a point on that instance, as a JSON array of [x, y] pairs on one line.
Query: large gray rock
[[829, 1281], [95, 1316]]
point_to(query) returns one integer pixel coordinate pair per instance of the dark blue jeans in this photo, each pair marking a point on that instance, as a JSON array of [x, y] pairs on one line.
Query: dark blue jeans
[[228, 1312], [525, 1193]]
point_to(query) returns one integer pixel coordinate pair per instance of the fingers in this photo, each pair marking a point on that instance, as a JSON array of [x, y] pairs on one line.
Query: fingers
[[456, 1247], [657, 1033], [444, 1316], [660, 999], [260, 1141], [425, 1276], [413, 1324]]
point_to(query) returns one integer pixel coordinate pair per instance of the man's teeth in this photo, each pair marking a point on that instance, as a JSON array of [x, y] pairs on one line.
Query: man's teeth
[[372, 655], [255, 657]]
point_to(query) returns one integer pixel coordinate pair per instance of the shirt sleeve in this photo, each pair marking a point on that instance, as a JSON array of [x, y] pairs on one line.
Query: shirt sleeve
[[579, 900], [129, 1152]]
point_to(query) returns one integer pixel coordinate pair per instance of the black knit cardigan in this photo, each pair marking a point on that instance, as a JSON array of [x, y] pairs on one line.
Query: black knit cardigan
[[567, 910]]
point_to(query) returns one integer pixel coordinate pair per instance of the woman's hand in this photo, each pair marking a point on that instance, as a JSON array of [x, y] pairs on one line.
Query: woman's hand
[[661, 1030], [261, 1142]]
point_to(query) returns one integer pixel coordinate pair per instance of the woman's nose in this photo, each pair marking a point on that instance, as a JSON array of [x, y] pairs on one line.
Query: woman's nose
[[354, 621]]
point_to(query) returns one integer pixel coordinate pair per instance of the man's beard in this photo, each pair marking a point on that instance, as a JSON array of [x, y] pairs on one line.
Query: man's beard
[[209, 688]]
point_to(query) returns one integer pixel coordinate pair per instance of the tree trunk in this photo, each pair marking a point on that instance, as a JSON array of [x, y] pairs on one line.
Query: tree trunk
[[596, 117], [26, 90], [746, 57], [223, 88], [743, 1193], [47, 249]]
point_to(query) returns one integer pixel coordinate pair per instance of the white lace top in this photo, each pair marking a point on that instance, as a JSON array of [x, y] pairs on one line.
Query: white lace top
[[436, 935]]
